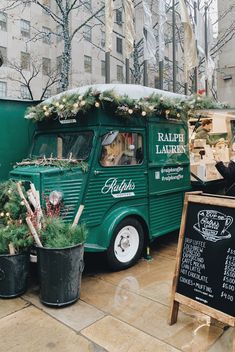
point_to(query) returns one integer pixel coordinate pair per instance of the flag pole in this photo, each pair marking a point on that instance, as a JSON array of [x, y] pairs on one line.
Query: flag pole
[[196, 68], [107, 67], [127, 71], [206, 46], [173, 47], [145, 73], [161, 74]]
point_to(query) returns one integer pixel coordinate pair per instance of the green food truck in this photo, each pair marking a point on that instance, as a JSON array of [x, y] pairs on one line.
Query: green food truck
[[121, 151]]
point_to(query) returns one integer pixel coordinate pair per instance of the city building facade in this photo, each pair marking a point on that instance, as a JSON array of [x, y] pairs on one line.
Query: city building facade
[[31, 48]]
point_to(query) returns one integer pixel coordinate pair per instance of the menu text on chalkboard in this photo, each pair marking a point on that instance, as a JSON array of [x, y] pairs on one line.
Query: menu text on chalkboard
[[205, 265]]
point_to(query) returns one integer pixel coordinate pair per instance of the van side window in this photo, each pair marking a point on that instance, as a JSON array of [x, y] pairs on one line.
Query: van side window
[[126, 149]]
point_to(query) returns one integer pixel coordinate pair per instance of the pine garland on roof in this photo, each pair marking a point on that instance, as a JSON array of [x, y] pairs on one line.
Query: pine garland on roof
[[73, 105]]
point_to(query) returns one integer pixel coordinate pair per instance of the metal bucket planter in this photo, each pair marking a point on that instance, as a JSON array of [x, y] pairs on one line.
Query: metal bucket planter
[[14, 270], [60, 272]]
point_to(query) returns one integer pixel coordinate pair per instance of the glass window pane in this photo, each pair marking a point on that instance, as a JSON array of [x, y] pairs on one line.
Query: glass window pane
[[3, 21], [3, 89], [126, 149], [25, 61], [87, 32], [25, 28], [66, 145], [88, 64], [46, 35]]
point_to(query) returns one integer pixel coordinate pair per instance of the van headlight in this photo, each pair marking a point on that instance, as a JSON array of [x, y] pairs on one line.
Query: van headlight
[[55, 197]]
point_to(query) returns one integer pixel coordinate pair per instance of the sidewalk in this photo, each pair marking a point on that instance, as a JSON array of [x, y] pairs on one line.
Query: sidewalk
[[124, 311]]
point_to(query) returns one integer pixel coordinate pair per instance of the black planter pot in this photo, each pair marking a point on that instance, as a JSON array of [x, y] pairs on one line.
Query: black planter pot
[[60, 272], [14, 271]]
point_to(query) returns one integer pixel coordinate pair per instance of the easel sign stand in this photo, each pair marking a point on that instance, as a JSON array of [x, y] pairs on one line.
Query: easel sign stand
[[204, 277]]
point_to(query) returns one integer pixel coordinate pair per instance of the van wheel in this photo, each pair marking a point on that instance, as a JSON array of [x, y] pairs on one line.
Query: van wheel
[[126, 245]]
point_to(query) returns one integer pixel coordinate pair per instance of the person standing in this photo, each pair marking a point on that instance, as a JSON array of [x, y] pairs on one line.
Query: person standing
[[228, 173], [202, 132]]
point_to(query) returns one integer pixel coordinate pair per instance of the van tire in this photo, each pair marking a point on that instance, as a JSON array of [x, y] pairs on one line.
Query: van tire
[[126, 245]]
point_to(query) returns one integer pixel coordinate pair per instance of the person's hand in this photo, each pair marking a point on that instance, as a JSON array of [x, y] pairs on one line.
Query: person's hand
[[216, 157]]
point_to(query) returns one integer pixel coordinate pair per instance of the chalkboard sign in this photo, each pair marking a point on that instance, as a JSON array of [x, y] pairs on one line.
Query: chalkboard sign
[[205, 266]]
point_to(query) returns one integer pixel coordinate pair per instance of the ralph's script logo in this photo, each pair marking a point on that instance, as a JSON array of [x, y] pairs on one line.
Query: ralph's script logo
[[119, 189]]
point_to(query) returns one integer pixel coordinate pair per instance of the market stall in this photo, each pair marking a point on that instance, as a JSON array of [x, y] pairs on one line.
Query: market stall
[[220, 138]]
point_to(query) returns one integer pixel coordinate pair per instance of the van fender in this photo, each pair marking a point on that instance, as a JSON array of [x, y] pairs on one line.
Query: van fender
[[117, 215]]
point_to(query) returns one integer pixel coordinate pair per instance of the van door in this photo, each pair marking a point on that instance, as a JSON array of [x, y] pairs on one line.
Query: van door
[[118, 184], [169, 174]]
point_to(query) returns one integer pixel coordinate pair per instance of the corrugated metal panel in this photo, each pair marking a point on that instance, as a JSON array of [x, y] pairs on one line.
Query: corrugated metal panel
[[165, 212], [71, 189]]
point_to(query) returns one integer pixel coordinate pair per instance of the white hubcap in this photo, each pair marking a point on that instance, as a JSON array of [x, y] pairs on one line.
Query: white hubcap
[[126, 244]]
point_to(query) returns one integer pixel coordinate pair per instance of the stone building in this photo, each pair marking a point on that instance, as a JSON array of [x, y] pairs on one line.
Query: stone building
[[30, 41]]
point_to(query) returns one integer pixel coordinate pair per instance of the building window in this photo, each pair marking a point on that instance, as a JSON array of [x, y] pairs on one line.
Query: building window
[[119, 73], [25, 28], [87, 4], [101, 14], [59, 33], [102, 68], [59, 90], [87, 32], [88, 64], [119, 17], [3, 55], [3, 89], [25, 61], [46, 66], [59, 63], [47, 93], [3, 21], [46, 4], [102, 39], [24, 92], [119, 45], [46, 35]]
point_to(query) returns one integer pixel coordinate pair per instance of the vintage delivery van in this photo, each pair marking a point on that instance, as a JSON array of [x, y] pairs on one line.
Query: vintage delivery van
[[132, 164]]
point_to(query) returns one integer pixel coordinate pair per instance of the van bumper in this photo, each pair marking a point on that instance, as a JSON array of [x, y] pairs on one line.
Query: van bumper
[[90, 247]]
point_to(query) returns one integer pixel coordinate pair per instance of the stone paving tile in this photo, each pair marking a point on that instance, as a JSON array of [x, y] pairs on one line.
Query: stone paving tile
[[77, 316], [146, 315], [116, 336], [224, 344], [31, 330], [9, 306], [158, 291]]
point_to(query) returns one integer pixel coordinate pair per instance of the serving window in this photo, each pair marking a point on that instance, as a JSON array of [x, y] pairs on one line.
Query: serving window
[[125, 149]]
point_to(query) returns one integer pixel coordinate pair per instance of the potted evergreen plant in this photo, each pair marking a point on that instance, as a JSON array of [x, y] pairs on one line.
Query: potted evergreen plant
[[60, 249], [15, 241], [60, 261]]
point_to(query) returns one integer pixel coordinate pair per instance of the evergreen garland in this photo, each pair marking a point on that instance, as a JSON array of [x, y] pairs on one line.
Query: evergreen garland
[[72, 105], [61, 163]]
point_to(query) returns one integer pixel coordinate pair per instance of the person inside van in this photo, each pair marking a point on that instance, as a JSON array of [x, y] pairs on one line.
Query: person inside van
[[106, 158], [202, 132]]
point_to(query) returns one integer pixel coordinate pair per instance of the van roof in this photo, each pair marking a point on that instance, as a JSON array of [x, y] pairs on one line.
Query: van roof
[[134, 91]]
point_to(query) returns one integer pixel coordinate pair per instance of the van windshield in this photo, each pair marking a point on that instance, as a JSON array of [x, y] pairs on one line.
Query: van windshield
[[63, 145]]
